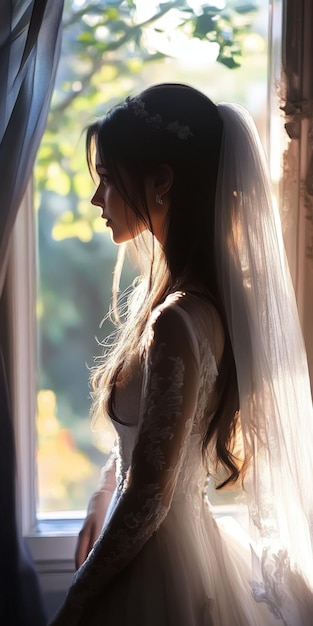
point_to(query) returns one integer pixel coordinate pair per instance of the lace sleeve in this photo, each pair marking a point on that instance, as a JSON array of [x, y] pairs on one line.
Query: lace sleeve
[[169, 398]]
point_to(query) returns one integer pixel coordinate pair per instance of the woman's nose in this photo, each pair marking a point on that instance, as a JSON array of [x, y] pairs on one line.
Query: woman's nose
[[97, 198]]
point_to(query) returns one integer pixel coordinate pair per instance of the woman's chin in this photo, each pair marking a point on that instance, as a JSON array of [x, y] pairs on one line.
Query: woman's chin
[[119, 238]]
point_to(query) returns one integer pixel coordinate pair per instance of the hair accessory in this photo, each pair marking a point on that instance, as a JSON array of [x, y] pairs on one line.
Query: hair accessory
[[159, 199], [139, 109]]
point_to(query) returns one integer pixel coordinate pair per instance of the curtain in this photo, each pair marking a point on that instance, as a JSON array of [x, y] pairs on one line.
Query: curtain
[[297, 187], [30, 39]]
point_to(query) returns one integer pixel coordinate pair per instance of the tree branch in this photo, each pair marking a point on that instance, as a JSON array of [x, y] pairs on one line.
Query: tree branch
[[111, 47]]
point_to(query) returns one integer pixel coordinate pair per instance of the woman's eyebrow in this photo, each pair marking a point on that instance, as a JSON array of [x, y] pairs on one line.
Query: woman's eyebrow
[[100, 169]]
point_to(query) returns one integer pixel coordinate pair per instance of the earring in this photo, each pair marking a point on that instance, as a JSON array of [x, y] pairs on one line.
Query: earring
[[159, 199]]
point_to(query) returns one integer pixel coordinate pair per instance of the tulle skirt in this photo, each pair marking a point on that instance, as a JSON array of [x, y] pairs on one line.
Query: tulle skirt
[[191, 572]]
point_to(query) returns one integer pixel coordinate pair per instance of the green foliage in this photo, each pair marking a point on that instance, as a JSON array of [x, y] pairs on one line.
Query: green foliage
[[106, 49], [106, 46]]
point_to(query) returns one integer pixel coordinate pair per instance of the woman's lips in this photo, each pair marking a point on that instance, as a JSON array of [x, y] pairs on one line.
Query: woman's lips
[[107, 219]]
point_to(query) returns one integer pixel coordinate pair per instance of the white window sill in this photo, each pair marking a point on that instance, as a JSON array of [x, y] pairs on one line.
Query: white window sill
[[54, 539], [52, 547]]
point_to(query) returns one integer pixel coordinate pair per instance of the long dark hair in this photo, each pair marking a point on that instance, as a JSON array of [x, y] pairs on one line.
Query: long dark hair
[[179, 126]]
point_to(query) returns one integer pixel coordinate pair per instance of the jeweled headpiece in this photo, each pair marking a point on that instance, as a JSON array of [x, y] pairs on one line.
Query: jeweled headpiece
[[138, 107]]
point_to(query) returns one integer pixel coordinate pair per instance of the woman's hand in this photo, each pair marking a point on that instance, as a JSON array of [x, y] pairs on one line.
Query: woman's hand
[[96, 512], [92, 525]]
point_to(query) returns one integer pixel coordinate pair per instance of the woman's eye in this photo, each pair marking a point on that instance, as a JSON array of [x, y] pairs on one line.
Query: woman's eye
[[104, 179], [103, 176]]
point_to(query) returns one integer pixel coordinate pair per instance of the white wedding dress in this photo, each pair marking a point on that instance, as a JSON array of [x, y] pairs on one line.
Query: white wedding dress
[[162, 559]]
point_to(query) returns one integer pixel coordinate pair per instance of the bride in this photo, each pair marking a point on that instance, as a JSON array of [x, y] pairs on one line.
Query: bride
[[209, 354]]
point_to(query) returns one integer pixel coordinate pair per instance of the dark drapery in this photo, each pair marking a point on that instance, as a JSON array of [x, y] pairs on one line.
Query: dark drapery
[[30, 38]]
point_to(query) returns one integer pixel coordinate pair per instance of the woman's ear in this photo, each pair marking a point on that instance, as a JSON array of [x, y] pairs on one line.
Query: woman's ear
[[163, 180], [157, 188], [158, 185]]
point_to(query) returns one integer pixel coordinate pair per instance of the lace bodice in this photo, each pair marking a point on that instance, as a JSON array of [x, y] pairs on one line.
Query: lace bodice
[[159, 435]]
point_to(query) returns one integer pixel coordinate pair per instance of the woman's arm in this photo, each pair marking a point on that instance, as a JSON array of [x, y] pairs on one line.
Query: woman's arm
[[96, 512], [169, 397]]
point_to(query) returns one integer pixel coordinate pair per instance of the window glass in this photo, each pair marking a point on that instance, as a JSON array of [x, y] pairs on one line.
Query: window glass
[[111, 49]]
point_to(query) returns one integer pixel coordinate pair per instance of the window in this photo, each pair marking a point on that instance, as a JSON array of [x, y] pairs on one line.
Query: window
[[74, 252]]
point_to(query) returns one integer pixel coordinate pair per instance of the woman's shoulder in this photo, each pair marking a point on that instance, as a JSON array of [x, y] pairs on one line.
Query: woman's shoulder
[[195, 307], [188, 316], [169, 316]]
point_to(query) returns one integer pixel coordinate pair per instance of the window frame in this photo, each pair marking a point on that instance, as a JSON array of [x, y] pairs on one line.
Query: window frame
[[51, 542]]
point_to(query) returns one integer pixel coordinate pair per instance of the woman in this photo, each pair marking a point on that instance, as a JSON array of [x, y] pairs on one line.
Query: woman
[[199, 362]]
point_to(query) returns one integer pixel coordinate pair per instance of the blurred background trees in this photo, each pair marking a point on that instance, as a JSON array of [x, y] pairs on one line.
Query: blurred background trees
[[110, 49]]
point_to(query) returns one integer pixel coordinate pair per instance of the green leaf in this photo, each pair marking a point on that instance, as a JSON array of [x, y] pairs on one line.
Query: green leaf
[[187, 10], [228, 61], [86, 37], [112, 13], [246, 8], [205, 24], [169, 5]]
